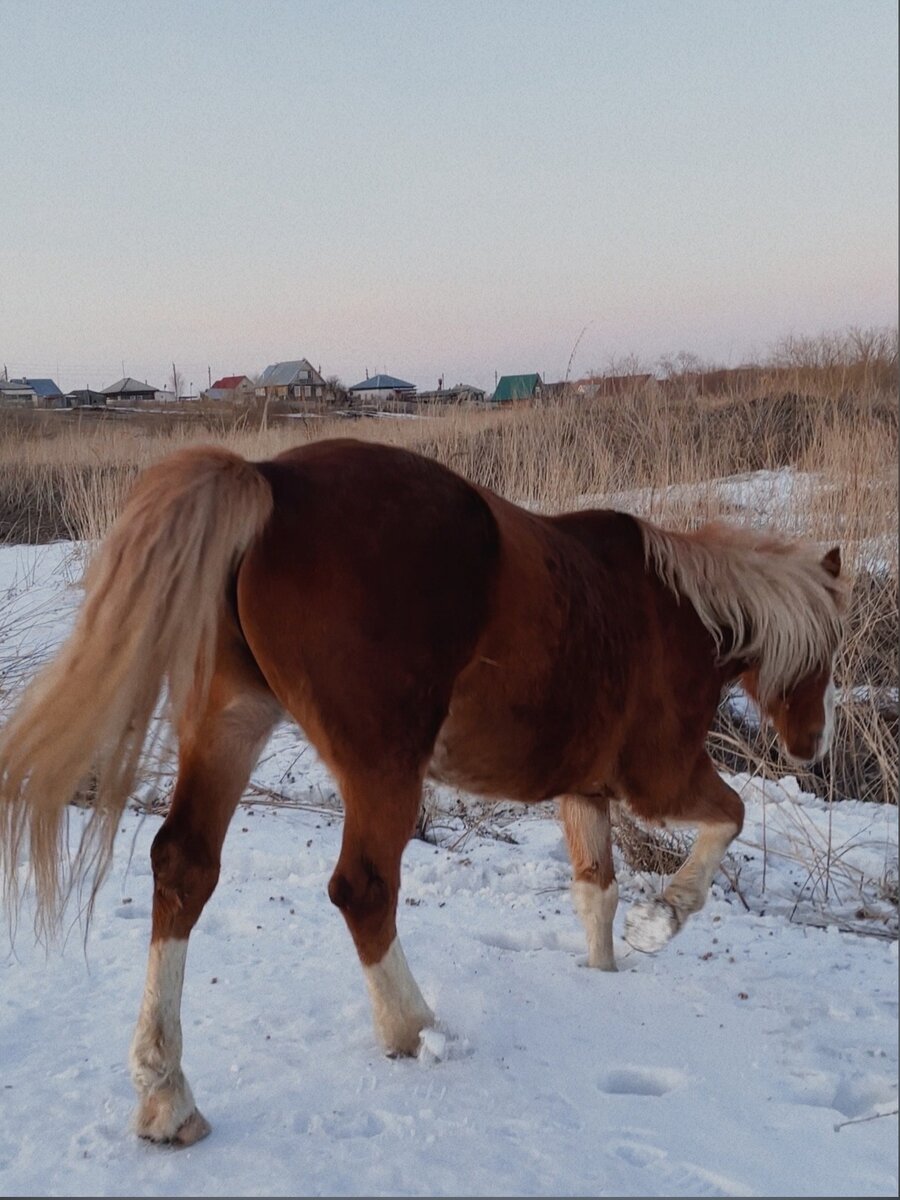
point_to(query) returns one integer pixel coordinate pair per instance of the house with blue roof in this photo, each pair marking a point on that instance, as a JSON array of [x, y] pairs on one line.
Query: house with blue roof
[[48, 394], [382, 387], [33, 393]]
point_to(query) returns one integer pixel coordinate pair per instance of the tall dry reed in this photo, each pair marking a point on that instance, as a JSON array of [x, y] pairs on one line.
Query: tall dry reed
[[820, 419]]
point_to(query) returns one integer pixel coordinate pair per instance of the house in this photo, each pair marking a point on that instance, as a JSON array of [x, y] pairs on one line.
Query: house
[[48, 394], [85, 398], [129, 391], [517, 387], [17, 393], [297, 380], [382, 387], [230, 387], [610, 385], [460, 393]]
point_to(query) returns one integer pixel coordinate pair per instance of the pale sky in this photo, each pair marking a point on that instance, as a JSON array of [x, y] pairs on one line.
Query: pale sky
[[448, 188]]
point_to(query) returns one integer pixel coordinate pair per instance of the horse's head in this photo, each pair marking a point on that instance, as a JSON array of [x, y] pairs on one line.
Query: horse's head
[[803, 714]]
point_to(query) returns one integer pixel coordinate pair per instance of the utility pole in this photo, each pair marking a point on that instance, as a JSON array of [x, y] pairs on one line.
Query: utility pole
[[209, 375]]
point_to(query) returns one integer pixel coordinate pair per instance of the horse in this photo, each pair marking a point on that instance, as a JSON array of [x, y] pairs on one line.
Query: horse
[[414, 625]]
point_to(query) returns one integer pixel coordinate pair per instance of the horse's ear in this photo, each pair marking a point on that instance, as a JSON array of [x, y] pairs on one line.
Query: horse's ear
[[832, 561]]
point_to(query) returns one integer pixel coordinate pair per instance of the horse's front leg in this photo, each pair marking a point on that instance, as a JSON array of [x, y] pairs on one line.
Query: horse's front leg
[[595, 892], [718, 813], [216, 757]]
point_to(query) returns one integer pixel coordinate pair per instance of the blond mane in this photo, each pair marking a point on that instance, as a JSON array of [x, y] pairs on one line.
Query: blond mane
[[781, 605]]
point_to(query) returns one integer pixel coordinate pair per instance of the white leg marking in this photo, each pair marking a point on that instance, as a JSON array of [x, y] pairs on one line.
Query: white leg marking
[[597, 906], [167, 1110], [649, 924], [398, 1008]]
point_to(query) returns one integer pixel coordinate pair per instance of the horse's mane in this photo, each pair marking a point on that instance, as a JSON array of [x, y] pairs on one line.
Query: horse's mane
[[781, 606]]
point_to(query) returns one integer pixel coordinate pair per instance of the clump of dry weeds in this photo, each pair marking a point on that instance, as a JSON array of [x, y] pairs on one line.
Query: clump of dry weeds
[[824, 408]]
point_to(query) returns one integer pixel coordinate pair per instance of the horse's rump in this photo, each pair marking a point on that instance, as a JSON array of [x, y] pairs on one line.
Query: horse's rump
[[366, 594]]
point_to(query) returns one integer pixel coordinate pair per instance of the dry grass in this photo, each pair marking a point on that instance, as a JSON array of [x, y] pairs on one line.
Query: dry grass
[[825, 407]]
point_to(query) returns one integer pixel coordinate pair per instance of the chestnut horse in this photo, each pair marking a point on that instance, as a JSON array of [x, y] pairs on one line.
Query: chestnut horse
[[413, 625]]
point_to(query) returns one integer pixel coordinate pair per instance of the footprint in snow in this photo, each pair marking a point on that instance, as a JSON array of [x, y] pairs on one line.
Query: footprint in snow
[[350, 1125], [642, 1081], [671, 1177]]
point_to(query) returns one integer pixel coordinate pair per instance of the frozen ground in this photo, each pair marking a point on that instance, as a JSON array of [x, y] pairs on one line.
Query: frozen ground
[[721, 1066]]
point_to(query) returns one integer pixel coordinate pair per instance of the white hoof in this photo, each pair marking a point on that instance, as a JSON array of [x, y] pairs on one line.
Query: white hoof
[[650, 924], [161, 1118], [598, 963], [399, 1011]]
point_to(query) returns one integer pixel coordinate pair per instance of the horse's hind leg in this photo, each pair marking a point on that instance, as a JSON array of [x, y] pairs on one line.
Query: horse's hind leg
[[218, 749], [595, 892], [380, 814], [718, 813]]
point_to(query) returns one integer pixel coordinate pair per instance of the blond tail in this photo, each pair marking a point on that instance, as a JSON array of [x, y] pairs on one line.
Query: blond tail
[[153, 600]]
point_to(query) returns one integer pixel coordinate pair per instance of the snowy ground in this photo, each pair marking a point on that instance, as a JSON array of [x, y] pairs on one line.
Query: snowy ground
[[721, 1066]]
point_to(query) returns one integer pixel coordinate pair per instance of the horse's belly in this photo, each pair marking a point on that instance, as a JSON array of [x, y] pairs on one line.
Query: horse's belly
[[485, 758], [451, 765]]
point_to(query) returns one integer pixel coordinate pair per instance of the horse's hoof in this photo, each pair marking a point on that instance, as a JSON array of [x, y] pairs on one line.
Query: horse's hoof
[[151, 1126], [598, 964], [194, 1129], [650, 924], [403, 1045]]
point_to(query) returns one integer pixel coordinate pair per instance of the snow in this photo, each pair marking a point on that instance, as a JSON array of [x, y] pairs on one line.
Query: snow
[[781, 498], [724, 1065]]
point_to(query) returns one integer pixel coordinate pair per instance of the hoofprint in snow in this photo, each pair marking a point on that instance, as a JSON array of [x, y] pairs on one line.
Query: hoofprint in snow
[[721, 1066]]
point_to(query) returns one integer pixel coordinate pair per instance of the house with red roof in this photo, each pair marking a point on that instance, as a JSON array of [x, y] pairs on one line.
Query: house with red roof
[[230, 387]]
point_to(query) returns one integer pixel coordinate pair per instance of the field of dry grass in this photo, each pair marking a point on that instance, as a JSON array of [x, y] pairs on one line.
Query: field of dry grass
[[823, 424]]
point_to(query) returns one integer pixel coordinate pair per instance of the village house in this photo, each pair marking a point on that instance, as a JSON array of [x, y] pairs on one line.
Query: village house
[[296, 380], [129, 391], [460, 393], [517, 387], [233, 388], [17, 393], [48, 394], [31, 393], [85, 398], [379, 388], [594, 386]]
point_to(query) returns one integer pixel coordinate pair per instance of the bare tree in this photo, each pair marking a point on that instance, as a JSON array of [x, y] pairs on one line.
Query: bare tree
[[626, 365]]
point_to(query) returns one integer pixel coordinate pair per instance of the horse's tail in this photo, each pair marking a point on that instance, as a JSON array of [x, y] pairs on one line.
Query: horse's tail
[[153, 602]]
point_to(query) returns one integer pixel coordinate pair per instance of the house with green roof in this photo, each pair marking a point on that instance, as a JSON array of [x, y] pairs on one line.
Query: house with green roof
[[517, 387]]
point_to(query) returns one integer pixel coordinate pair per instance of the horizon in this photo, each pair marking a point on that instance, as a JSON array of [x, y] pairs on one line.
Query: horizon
[[430, 193], [776, 358]]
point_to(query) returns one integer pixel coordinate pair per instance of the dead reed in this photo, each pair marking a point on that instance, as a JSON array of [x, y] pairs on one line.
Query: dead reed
[[819, 420]]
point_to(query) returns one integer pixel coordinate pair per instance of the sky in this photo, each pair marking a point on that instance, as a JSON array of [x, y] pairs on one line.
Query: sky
[[453, 190]]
